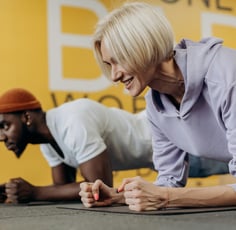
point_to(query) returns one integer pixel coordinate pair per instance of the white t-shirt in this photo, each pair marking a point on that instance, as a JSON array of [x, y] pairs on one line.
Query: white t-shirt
[[84, 128]]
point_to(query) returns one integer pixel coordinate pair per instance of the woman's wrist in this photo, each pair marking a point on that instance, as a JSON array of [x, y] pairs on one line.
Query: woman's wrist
[[167, 197], [164, 197], [117, 197]]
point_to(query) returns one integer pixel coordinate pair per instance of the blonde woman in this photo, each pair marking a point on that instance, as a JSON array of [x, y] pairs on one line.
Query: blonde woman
[[191, 106]]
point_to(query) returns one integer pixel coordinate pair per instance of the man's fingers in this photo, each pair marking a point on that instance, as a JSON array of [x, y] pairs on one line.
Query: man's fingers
[[11, 188], [11, 199]]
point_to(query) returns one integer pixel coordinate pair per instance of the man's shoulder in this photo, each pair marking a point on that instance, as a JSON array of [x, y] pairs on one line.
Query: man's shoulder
[[77, 104]]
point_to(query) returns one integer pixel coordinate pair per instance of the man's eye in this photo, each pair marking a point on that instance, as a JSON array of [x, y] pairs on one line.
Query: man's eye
[[5, 126]]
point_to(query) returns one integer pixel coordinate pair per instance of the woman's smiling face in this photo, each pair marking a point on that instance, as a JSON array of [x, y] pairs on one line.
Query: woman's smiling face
[[135, 83]]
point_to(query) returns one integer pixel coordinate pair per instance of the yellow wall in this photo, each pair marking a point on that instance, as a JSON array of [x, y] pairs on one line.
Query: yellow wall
[[44, 47]]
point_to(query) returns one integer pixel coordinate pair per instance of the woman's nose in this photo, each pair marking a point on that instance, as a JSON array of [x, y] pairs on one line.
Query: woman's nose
[[116, 75]]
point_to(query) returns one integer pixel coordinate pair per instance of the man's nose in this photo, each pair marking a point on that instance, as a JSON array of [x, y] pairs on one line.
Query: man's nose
[[2, 136]]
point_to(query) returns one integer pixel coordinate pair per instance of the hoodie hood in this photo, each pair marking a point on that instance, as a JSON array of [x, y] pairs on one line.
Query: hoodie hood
[[194, 60]]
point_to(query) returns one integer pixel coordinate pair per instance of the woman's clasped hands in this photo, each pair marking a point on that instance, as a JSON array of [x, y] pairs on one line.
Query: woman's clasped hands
[[137, 193]]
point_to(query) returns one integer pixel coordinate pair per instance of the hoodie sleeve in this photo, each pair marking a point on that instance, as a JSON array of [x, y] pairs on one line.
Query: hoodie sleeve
[[171, 162], [229, 119], [221, 86]]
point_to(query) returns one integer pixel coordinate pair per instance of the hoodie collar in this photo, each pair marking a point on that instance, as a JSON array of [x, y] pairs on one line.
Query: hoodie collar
[[193, 59]]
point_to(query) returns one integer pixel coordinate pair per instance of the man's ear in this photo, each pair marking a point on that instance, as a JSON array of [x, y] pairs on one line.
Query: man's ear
[[26, 118]]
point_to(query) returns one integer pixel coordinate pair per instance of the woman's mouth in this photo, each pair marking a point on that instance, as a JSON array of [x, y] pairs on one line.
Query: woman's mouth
[[127, 82]]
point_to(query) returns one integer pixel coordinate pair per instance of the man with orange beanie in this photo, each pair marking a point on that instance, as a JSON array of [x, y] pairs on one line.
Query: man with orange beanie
[[80, 134]]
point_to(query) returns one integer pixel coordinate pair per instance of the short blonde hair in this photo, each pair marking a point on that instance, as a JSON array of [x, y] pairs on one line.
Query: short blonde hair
[[137, 34]]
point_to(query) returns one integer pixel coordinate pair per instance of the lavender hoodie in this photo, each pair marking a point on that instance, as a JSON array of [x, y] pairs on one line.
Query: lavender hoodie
[[205, 124]]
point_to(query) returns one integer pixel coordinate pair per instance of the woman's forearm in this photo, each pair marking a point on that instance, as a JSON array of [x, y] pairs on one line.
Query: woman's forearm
[[213, 196]]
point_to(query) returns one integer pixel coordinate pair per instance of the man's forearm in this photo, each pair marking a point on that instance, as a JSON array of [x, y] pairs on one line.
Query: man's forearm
[[201, 197], [67, 192]]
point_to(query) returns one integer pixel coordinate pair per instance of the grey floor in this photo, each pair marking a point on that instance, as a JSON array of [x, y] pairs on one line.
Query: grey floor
[[54, 216]]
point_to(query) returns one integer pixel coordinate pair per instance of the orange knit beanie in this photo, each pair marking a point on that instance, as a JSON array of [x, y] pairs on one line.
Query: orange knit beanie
[[18, 99]]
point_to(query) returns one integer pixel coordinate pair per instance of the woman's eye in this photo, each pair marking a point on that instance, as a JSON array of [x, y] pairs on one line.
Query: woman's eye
[[107, 64]]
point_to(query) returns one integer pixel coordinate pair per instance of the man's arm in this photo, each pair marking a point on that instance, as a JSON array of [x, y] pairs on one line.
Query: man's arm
[[19, 190], [65, 187], [98, 168]]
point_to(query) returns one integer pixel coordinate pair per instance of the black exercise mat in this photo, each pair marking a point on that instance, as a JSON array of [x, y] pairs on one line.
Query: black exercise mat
[[125, 210]]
